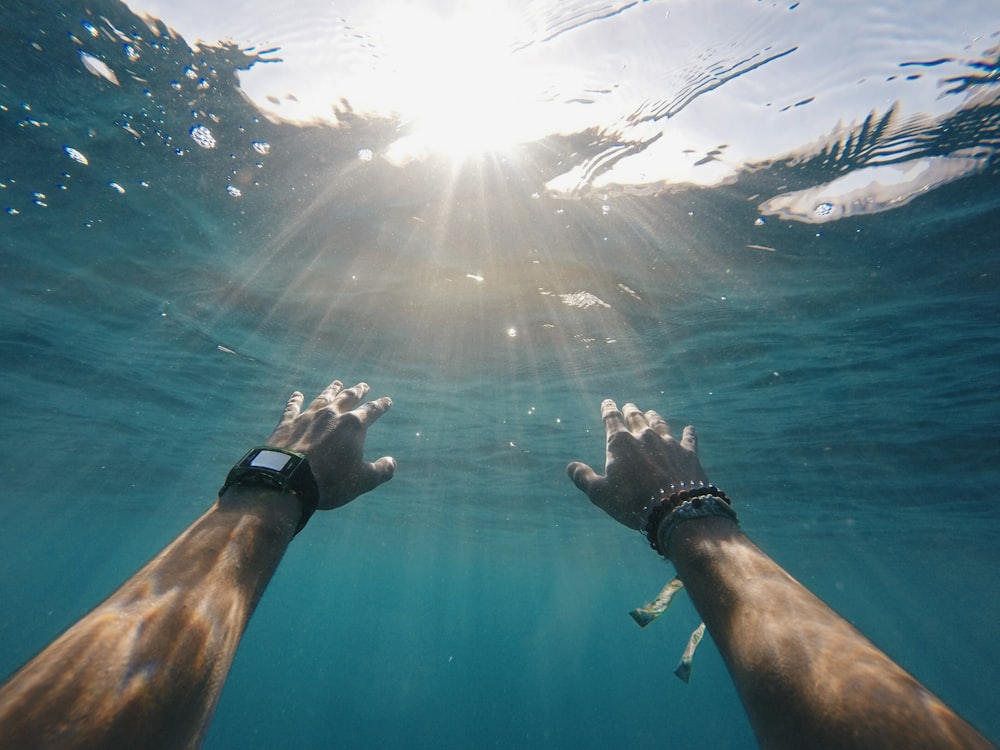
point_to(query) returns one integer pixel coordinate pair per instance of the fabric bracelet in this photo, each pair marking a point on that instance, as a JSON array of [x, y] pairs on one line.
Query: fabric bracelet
[[698, 507], [697, 502]]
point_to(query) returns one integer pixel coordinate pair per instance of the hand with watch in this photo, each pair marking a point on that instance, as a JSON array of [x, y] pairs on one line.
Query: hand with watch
[[316, 454], [145, 668]]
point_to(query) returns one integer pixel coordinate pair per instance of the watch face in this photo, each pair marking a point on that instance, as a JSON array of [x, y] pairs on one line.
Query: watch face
[[272, 460]]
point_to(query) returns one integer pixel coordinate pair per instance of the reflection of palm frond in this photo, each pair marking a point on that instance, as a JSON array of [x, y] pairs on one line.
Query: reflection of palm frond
[[859, 144], [986, 72], [888, 139]]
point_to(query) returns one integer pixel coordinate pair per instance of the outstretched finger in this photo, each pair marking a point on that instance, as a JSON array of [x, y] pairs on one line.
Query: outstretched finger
[[327, 395], [368, 412], [582, 475], [614, 421], [690, 439], [658, 424], [634, 418], [292, 409], [348, 398]]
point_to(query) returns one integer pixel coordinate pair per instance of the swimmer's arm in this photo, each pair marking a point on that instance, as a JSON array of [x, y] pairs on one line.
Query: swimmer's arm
[[145, 669], [806, 677]]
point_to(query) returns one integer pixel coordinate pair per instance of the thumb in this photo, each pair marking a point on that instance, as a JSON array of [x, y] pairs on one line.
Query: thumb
[[582, 475], [382, 470]]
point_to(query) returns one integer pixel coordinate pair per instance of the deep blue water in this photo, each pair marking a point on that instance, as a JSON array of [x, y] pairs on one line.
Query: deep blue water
[[843, 384]]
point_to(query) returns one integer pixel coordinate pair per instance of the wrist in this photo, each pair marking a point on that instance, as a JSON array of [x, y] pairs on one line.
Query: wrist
[[270, 506], [699, 541]]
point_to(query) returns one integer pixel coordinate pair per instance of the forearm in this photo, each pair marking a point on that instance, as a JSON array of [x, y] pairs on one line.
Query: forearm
[[806, 677], [145, 669]]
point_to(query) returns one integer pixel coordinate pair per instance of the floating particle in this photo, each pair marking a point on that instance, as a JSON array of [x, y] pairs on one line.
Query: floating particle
[[98, 68], [583, 300], [117, 187], [131, 52], [75, 155], [365, 154], [234, 191], [261, 147], [629, 291], [89, 27], [203, 136]]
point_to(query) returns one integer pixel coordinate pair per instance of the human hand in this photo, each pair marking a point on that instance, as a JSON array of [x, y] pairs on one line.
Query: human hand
[[331, 434], [643, 462]]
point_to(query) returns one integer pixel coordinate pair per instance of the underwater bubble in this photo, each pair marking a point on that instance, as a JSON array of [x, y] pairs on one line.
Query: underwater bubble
[[234, 191], [203, 136], [75, 155], [98, 68], [261, 147], [823, 209]]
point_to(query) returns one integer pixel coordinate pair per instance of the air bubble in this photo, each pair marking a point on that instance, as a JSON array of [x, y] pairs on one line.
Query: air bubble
[[75, 155], [203, 136]]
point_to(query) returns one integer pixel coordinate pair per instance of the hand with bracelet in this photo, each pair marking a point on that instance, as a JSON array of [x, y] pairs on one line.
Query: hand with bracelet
[[146, 667], [806, 677]]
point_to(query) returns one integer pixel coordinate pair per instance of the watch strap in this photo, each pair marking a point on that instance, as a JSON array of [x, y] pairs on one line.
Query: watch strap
[[281, 469]]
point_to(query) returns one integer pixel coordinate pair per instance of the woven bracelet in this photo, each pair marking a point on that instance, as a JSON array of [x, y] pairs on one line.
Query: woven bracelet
[[697, 502]]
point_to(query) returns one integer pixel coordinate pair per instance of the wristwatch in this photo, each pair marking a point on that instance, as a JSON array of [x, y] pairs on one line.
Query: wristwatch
[[281, 469]]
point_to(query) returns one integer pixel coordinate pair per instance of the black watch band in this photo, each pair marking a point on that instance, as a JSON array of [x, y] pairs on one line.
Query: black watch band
[[282, 469]]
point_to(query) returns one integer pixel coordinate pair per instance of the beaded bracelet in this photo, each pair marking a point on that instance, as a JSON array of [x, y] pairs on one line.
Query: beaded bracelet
[[685, 505]]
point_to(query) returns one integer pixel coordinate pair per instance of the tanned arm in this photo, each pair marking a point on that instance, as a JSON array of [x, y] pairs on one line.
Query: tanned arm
[[145, 669], [806, 677]]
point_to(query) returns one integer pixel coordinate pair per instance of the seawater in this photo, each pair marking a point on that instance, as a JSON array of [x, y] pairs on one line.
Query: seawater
[[842, 381]]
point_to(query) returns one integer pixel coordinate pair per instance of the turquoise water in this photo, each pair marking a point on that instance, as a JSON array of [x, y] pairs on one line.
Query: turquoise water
[[842, 381]]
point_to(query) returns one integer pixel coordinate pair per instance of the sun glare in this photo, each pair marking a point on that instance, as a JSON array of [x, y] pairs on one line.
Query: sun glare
[[456, 81]]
